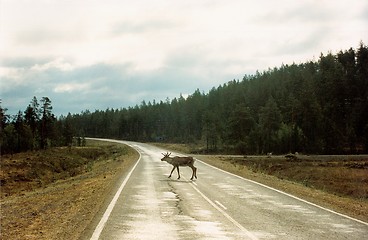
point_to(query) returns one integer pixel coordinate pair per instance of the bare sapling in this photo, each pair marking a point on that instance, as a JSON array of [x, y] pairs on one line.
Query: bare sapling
[[180, 161]]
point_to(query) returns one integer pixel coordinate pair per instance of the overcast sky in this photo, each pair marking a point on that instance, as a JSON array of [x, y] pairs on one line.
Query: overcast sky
[[116, 53]]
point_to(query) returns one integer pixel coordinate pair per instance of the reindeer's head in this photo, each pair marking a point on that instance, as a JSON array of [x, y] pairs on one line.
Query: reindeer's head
[[166, 156]]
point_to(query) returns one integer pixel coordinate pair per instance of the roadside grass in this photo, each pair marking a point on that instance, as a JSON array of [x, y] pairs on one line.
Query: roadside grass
[[331, 174], [30, 170], [55, 194]]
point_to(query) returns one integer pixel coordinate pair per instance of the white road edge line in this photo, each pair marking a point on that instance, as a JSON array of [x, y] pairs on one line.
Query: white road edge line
[[287, 194], [97, 232], [249, 234], [221, 205]]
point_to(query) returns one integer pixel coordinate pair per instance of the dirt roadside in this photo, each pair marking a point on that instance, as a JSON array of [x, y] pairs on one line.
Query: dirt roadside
[[65, 208]]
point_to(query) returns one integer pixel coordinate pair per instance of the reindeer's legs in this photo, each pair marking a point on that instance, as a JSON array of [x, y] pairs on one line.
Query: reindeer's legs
[[178, 172], [194, 172], [172, 171]]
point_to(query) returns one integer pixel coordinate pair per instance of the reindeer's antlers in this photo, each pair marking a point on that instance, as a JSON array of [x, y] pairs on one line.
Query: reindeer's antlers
[[166, 154]]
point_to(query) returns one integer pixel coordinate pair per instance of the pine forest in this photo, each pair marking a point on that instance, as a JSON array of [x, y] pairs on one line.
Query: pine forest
[[316, 107]]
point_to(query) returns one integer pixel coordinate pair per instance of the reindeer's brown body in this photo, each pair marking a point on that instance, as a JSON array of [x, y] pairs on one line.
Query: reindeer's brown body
[[180, 161]]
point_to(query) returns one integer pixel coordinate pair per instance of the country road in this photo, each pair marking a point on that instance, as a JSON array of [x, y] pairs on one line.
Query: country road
[[218, 205]]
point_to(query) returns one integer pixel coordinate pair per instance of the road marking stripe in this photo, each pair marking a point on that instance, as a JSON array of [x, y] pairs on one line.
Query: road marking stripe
[[249, 234], [287, 194], [96, 234], [221, 205]]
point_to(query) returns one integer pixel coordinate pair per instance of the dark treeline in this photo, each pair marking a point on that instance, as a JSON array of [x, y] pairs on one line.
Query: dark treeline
[[35, 128], [313, 107]]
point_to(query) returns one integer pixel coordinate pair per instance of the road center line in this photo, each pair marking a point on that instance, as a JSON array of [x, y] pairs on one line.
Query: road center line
[[249, 234], [97, 232]]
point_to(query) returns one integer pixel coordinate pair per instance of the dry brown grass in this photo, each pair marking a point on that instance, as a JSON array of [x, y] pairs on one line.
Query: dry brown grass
[[40, 199], [333, 174]]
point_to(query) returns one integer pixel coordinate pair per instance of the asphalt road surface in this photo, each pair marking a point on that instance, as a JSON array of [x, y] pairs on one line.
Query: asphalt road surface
[[218, 205]]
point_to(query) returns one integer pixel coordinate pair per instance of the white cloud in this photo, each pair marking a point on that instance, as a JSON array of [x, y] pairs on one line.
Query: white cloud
[[58, 63], [120, 52], [71, 87]]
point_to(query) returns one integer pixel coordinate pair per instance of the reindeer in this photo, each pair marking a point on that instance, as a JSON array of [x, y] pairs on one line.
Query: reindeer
[[180, 161]]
